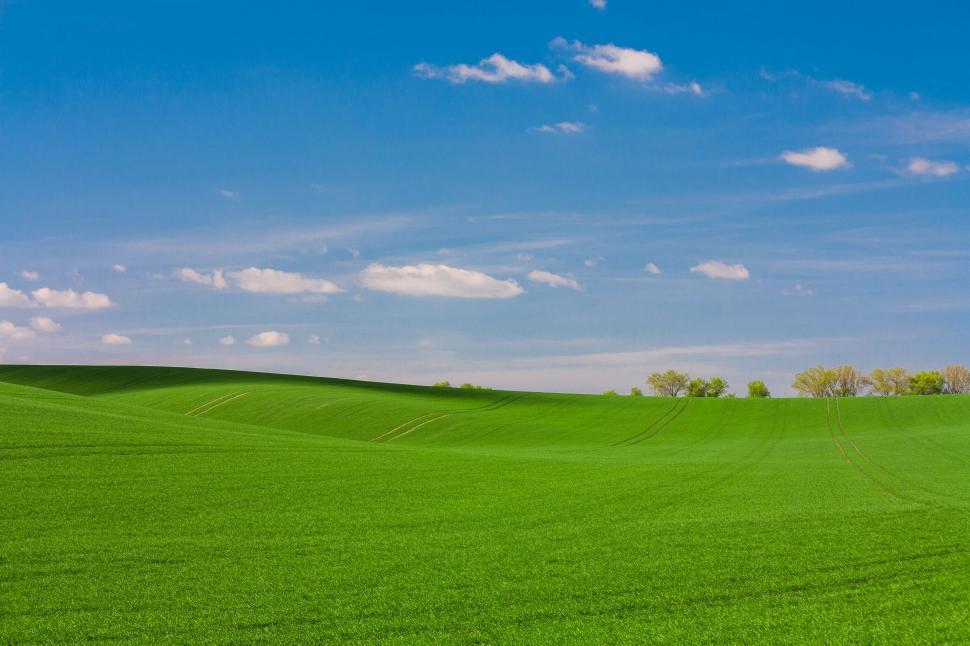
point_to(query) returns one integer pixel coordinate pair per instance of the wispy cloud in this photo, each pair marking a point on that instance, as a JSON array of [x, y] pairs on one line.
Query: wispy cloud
[[494, 69], [553, 280], [936, 168], [188, 275], [274, 281], [437, 280], [563, 127]]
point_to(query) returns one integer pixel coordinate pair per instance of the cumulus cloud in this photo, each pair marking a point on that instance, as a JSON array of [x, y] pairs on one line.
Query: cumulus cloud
[[229, 195], [636, 64], [817, 159], [10, 331], [494, 69], [119, 268], [32, 276], [44, 324], [553, 280], [274, 281], [115, 339], [718, 269], [563, 127], [189, 275], [314, 339], [437, 280], [10, 297], [70, 299], [598, 4], [923, 166], [652, 268], [268, 339], [227, 340]]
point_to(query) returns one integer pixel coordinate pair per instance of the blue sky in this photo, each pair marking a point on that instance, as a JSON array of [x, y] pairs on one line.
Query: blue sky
[[558, 196]]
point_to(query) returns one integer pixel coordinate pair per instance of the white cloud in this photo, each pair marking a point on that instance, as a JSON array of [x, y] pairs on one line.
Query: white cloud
[[10, 297], [10, 331], [269, 339], [652, 268], [44, 324], [553, 280], [186, 341], [119, 268], [718, 269], [115, 339], [494, 69], [847, 88], [636, 64], [676, 88], [70, 299], [30, 275], [189, 275], [227, 340], [923, 166], [437, 280], [274, 281], [229, 195], [314, 339], [817, 159], [592, 262], [598, 4], [563, 127]]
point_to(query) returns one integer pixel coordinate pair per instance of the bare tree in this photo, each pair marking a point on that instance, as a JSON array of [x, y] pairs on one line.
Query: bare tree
[[847, 381], [668, 384], [957, 379], [889, 382]]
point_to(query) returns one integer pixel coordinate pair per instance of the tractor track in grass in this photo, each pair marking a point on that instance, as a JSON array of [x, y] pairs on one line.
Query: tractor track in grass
[[890, 474], [648, 434], [213, 401], [422, 420], [195, 412], [651, 425], [872, 480]]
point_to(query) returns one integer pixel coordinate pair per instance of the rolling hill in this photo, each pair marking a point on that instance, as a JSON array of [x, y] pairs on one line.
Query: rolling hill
[[173, 505]]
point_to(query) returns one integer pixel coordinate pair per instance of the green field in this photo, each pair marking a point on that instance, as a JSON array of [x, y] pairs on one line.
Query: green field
[[174, 505]]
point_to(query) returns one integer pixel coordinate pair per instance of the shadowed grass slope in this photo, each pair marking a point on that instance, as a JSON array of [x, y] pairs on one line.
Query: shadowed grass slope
[[170, 504]]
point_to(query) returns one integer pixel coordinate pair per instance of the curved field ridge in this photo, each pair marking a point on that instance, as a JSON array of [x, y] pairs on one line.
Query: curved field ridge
[[181, 505]]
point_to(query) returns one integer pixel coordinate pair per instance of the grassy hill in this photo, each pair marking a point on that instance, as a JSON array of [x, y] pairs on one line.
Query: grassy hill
[[167, 504]]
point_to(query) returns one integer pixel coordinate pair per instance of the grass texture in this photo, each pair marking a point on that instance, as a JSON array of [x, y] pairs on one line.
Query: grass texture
[[169, 505]]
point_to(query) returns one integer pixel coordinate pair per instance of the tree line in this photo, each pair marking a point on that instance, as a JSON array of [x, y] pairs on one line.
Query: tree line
[[846, 381]]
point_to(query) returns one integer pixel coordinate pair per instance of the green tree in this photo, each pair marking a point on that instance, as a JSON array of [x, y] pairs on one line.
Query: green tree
[[758, 389], [716, 387], [442, 384], [610, 393], [636, 392], [927, 382], [814, 382], [668, 384], [889, 382], [957, 379], [698, 388]]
